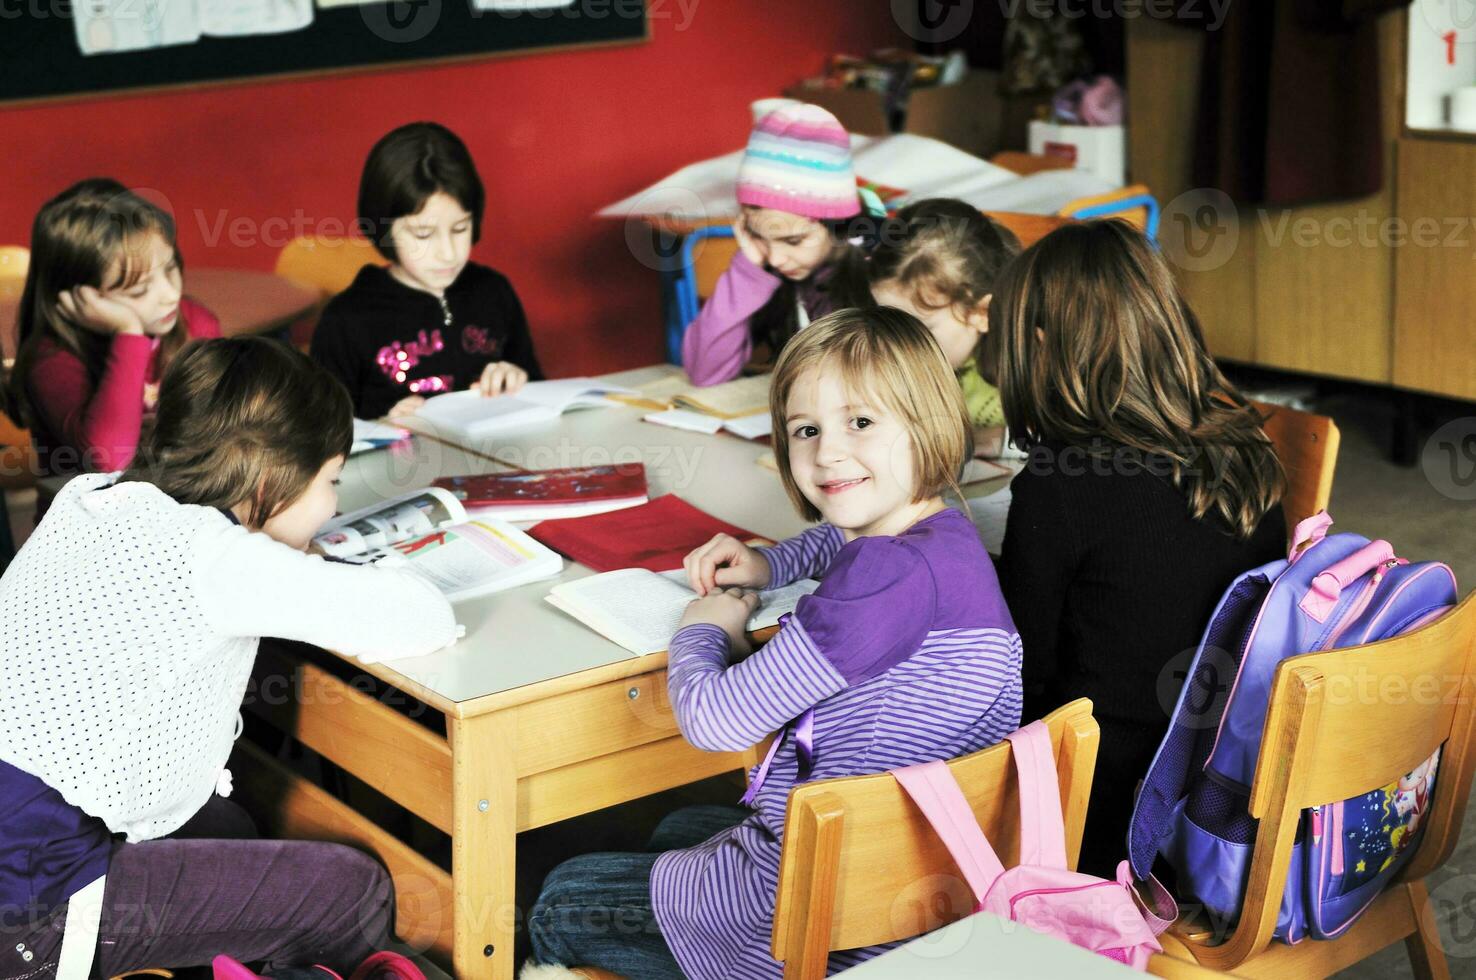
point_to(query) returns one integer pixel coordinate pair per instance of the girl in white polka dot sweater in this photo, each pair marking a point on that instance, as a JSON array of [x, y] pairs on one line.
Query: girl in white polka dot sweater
[[128, 627]]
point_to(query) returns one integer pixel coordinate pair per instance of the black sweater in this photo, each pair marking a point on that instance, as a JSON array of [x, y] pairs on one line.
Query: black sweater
[[1110, 582], [385, 340]]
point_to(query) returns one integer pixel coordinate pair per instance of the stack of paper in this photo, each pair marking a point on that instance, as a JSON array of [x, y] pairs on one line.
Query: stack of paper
[[470, 414]]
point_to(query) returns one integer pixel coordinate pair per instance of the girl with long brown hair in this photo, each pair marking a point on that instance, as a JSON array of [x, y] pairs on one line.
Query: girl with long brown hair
[[102, 315], [1150, 486]]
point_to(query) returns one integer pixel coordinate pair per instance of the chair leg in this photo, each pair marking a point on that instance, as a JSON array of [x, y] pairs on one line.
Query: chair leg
[[1426, 956]]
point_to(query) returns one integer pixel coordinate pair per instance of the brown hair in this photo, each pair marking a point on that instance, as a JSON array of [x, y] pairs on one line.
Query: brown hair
[[844, 282], [947, 253], [243, 418], [1098, 349], [76, 239], [891, 356], [405, 169]]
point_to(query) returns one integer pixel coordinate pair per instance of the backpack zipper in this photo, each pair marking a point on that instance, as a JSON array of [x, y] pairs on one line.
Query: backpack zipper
[[1014, 899], [1358, 606]]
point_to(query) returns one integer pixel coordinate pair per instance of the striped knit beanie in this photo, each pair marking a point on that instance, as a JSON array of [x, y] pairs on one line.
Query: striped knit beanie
[[799, 160]]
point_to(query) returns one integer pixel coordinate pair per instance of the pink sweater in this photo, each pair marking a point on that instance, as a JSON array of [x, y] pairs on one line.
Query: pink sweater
[[78, 427]]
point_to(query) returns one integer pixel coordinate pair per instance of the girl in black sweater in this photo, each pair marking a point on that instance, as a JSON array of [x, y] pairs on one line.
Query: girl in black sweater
[[1150, 486], [433, 321]]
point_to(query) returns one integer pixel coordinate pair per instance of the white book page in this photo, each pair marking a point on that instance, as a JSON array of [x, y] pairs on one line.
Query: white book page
[[641, 610], [754, 426], [479, 557], [569, 393], [470, 412], [681, 418]]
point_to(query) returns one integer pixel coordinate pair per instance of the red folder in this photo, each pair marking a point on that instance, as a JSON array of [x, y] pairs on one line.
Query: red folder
[[654, 536]]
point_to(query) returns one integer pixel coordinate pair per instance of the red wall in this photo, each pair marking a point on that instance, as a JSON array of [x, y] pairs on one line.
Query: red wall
[[556, 136]]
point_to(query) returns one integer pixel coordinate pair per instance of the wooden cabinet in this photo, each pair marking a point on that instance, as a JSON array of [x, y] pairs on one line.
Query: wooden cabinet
[[1435, 268], [1307, 289]]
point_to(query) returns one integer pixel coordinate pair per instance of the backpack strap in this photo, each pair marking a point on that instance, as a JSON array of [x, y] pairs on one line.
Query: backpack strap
[[1042, 826], [937, 794], [1309, 532]]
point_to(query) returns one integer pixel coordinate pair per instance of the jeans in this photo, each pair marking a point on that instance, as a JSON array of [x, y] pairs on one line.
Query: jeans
[[210, 888], [595, 910]]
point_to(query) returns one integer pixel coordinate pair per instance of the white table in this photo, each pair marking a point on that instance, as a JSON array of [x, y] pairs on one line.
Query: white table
[[544, 718], [984, 946]]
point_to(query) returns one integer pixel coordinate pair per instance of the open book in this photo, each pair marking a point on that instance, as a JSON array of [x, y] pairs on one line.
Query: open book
[[640, 609], [468, 413], [427, 531], [734, 400]]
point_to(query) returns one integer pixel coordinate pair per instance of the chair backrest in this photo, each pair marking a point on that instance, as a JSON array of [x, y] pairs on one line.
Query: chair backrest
[[1132, 204], [1346, 722], [861, 865], [1307, 445], [326, 264], [1029, 228], [15, 261]]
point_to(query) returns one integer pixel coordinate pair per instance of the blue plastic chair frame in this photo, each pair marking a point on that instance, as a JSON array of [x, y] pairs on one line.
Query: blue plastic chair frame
[[1146, 201], [687, 304]]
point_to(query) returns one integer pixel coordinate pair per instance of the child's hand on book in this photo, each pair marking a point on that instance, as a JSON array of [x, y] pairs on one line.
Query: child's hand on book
[[725, 561], [405, 407], [728, 610], [500, 378]]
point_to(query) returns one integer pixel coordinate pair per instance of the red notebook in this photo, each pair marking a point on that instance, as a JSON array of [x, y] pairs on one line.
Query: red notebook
[[537, 495], [655, 536]]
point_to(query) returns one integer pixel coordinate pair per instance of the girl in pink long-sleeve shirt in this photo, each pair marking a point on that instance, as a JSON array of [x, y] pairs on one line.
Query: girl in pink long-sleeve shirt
[[102, 314], [798, 257]]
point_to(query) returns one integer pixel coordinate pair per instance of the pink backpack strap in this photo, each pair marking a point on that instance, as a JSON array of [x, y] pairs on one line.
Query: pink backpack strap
[[937, 794], [1159, 908], [1308, 533], [1042, 827]]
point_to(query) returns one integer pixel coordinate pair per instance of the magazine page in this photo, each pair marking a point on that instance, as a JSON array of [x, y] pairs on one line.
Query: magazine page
[[389, 522], [476, 558]]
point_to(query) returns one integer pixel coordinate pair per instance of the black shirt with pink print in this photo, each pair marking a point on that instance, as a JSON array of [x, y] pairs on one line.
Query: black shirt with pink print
[[385, 340]]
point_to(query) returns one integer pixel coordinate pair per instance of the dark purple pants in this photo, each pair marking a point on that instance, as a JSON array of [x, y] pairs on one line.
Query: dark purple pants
[[211, 887]]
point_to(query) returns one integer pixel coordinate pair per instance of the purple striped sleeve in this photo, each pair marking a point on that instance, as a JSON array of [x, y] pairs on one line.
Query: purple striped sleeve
[[805, 555], [727, 709]]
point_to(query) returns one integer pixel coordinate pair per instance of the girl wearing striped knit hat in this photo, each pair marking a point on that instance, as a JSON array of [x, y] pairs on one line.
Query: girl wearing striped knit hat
[[796, 260]]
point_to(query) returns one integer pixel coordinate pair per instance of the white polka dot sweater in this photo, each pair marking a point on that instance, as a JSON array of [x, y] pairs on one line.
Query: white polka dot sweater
[[128, 627]]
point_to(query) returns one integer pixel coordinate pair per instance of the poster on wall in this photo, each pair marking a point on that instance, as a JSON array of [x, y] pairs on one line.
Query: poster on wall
[[110, 26], [116, 26], [238, 18]]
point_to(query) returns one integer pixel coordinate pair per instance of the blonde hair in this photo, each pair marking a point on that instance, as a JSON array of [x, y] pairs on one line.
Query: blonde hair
[[243, 419], [891, 356], [1098, 348]]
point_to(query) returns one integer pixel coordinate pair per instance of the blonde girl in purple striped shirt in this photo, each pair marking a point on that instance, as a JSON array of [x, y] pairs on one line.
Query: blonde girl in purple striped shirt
[[906, 653]]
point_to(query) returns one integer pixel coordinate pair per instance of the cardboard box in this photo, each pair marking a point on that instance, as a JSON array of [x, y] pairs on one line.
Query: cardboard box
[[971, 115]]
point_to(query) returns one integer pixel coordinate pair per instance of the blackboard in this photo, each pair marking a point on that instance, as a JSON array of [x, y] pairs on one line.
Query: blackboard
[[40, 59]]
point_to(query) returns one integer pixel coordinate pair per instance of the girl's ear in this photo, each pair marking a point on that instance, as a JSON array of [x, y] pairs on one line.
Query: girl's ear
[[978, 319]]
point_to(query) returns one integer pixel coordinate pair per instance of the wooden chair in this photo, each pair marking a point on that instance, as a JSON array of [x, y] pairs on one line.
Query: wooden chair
[[1308, 447], [1322, 744], [17, 461], [862, 866], [327, 265]]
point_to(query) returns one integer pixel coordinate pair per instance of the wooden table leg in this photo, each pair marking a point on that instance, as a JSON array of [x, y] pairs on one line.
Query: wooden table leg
[[483, 845]]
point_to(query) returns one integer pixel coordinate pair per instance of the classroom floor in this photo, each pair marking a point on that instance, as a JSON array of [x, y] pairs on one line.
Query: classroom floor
[[1371, 495]]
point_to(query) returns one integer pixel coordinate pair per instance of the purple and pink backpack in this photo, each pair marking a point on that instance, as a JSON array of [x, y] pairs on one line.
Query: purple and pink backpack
[[1330, 592]]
